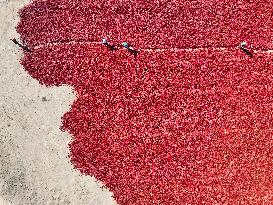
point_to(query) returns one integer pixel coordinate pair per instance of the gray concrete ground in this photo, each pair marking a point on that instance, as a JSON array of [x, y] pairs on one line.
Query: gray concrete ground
[[34, 164]]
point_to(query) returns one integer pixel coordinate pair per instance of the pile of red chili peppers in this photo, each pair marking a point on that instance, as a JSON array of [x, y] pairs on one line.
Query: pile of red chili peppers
[[187, 121]]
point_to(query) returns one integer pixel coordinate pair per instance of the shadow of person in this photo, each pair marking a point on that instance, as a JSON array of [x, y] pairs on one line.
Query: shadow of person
[[25, 48], [134, 52], [247, 52], [112, 47]]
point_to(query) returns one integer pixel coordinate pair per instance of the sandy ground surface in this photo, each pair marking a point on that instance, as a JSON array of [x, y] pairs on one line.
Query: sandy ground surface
[[34, 162]]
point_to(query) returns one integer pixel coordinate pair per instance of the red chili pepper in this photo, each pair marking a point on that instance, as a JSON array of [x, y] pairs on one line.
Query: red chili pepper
[[157, 129]]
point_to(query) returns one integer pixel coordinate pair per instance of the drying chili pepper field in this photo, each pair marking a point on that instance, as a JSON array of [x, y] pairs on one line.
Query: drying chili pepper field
[[186, 121]]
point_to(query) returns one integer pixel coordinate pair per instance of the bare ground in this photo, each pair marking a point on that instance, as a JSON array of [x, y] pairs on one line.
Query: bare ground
[[34, 163]]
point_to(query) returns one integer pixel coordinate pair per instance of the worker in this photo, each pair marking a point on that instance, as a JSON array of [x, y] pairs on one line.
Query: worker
[[243, 47], [25, 48], [130, 48], [126, 45], [243, 44], [106, 43]]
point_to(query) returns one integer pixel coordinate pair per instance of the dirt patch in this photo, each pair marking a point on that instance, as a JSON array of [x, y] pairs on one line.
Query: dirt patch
[[34, 163]]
